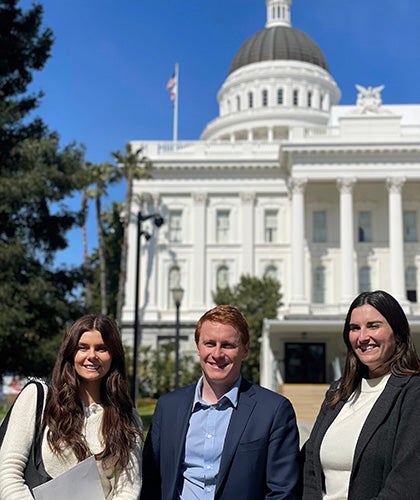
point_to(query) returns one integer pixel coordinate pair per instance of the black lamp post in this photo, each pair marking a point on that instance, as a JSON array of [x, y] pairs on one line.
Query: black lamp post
[[158, 221], [177, 294]]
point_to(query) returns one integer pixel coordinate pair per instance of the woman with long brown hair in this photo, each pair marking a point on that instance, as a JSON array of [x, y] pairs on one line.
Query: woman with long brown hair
[[88, 411], [365, 443]]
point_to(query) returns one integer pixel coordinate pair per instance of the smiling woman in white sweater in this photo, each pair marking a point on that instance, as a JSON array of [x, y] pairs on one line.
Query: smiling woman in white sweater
[[87, 411]]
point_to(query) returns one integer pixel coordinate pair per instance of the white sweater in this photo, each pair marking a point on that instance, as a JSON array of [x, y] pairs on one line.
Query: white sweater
[[339, 443], [17, 443]]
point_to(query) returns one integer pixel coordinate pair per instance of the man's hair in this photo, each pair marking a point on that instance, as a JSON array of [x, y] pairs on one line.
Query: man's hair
[[226, 315]]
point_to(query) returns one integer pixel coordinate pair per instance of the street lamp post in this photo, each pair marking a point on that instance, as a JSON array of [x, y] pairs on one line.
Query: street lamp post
[[177, 294], [158, 221]]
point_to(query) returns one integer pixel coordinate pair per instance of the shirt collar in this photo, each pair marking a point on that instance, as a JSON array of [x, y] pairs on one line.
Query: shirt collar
[[231, 394]]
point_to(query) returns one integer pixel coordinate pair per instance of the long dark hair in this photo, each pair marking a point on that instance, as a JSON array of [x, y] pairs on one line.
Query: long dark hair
[[402, 363], [64, 410]]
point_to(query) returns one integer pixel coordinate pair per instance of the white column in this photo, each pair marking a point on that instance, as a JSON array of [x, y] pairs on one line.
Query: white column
[[128, 307], [198, 286], [247, 237], [298, 241], [150, 256], [396, 239], [346, 240], [266, 359]]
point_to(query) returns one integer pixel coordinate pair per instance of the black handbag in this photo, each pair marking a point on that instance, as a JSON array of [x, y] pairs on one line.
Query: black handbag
[[35, 473]]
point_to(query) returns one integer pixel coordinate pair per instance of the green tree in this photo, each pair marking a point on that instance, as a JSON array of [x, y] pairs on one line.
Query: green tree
[[256, 298], [112, 236], [102, 175], [156, 370], [36, 176], [133, 165]]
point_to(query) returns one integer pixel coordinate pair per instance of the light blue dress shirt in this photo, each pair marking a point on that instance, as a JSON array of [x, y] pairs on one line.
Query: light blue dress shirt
[[204, 443]]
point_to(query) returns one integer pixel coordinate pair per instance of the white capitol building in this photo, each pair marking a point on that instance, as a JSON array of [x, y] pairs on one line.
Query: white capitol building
[[284, 181]]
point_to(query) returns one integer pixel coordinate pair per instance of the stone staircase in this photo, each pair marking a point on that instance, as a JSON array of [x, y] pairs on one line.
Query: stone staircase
[[306, 400]]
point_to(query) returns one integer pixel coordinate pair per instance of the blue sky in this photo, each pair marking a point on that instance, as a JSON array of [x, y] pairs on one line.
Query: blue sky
[[105, 82]]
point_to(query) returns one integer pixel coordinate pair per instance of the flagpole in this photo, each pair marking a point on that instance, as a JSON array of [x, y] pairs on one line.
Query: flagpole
[[175, 126]]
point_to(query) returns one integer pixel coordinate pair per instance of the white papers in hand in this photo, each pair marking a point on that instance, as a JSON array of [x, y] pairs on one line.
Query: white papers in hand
[[81, 481]]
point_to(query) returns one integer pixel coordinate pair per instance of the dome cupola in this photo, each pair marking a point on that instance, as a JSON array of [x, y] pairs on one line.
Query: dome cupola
[[278, 79], [278, 41]]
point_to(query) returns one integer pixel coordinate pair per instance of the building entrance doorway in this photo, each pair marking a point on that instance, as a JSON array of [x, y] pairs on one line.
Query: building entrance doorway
[[305, 363]]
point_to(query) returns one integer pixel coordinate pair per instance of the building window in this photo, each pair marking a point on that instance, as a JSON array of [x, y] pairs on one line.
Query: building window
[[319, 226], [264, 98], [175, 217], [250, 100], [238, 103], [270, 226], [309, 99], [410, 226], [271, 272], [411, 283], [364, 279], [174, 281], [319, 285], [222, 277], [222, 226], [295, 98], [280, 96], [365, 226]]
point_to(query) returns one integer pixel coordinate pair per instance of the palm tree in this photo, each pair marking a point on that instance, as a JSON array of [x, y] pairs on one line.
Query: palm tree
[[103, 175], [88, 289], [133, 165]]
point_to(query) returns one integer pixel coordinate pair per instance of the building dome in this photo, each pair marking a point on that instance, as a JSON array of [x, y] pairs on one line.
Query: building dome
[[279, 43]]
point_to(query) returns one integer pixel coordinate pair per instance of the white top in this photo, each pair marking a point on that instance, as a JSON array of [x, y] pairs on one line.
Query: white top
[[17, 442], [339, 443]]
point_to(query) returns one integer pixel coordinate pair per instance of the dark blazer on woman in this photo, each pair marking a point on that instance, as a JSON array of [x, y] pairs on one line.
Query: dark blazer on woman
[[386, 464], [260, 453]]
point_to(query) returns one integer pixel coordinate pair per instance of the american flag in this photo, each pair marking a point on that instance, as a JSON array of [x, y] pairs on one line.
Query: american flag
[[171, 86]]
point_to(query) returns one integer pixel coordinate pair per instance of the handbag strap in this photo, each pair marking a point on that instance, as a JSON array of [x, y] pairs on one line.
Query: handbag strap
[[38, 416]]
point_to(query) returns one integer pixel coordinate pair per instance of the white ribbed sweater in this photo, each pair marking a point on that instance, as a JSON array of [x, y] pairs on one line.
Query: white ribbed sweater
[[17, 443]]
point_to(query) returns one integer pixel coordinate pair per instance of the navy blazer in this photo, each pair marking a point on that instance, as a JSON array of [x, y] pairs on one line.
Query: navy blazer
[[386, 463], [260, 453]]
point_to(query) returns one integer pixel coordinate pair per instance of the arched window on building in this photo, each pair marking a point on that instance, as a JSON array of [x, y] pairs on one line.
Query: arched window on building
[[264, 98], [310, 95], [364, 279], [411, 283], [280, 96], [296, 97], [318, 292], [174, 281], [238, 103], [222, 277], [250, 100], [271, 272]]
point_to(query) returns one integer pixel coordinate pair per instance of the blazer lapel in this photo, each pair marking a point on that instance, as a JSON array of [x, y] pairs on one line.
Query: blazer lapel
[[179, 432], [375, 418], [237, 425]]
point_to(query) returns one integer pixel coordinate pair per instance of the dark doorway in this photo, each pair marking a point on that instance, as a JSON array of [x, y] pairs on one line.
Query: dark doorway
[[305, 362]]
